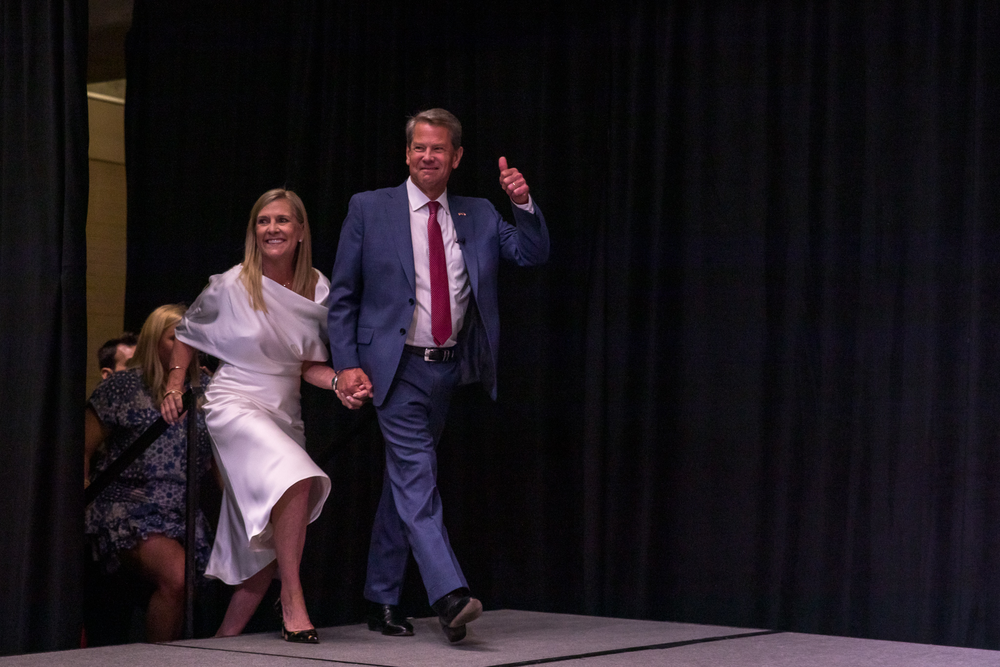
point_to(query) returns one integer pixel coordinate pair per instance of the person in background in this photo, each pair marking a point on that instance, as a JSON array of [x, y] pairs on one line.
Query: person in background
[[265, 320], [139, 520], [115, 353]]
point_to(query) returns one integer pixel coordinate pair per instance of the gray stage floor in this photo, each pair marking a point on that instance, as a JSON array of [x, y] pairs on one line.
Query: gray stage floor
[[508, 638]]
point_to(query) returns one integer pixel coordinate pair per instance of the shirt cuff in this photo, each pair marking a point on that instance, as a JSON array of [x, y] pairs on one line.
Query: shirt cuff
[[528, 206]]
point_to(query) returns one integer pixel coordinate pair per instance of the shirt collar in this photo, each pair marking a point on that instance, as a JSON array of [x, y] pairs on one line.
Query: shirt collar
[[418, 198]]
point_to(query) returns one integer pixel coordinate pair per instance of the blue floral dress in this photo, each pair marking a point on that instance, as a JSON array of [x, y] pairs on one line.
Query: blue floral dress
[[149, 496]]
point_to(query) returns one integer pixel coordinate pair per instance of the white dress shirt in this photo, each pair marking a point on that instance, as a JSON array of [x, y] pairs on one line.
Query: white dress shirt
[[458, 279], [459, 288]]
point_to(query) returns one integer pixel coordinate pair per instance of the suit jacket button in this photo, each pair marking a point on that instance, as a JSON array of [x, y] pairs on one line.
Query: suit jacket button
[[402, 332], [411, 302]]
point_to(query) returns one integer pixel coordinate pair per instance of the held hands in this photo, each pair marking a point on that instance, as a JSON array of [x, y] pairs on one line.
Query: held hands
[[353, 388], [513, 183]]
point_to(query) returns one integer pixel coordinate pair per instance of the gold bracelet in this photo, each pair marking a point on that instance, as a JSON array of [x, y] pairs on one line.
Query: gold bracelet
[[173, 391], [174, 368]]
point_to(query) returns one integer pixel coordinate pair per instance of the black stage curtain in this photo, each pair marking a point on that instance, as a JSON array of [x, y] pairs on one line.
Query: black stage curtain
[[756, 384], [43, 320]]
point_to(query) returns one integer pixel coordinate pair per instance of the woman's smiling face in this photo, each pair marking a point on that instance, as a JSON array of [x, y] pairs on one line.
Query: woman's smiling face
[[278, 232]]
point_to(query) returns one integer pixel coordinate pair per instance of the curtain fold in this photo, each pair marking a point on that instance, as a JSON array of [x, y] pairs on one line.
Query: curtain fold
[[755, 385], [43, 328]]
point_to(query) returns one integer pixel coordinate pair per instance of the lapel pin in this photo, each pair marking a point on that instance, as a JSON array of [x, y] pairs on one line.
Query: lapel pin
[[460, 213]]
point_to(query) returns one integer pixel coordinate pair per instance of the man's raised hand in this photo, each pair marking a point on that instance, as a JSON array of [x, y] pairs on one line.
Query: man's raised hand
[[513, 183]]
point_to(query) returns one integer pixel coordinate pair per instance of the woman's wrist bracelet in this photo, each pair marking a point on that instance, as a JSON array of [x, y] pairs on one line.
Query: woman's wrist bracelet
[[174, 368], [174, 391]]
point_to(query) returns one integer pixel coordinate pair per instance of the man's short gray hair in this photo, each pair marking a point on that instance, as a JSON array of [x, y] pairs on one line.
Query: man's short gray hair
[[439, 118]]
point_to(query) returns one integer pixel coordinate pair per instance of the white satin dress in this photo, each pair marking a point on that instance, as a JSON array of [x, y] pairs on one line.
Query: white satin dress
[[253, 410]]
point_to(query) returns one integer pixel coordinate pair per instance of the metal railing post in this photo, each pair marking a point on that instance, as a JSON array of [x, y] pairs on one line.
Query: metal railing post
[[190, 545]]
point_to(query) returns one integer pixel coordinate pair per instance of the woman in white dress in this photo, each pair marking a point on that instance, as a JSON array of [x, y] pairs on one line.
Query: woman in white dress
[[265, 319]]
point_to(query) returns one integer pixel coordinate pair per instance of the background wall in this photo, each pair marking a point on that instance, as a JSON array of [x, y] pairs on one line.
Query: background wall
[[106, 229], [43, 213]]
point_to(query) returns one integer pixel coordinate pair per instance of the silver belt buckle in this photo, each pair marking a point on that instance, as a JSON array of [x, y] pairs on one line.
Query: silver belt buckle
[[427, 354]]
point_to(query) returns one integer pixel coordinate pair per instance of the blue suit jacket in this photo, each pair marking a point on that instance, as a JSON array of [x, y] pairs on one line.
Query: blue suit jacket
[[373, 293]]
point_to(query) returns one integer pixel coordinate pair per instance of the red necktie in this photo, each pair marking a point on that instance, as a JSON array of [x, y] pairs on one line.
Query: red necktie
[[440, 296]]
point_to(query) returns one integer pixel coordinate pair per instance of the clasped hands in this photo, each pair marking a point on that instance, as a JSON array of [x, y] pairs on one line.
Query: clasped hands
[[353, 388]]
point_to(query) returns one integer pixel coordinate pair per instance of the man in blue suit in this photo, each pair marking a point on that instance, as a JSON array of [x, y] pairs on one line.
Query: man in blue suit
[[413, 313]]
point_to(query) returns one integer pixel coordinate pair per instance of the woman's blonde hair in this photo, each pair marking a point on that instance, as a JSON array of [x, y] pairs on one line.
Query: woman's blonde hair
[[147, 352], [303, 277]]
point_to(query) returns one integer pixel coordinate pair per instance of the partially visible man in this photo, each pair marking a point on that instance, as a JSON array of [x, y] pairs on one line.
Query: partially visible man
[[114, 354], [413, 313]]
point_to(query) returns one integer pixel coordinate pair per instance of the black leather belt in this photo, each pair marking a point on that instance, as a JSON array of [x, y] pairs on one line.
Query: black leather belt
[[434, 354]]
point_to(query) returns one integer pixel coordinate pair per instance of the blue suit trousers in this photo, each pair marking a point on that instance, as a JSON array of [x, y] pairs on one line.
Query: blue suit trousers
[[409, 515]]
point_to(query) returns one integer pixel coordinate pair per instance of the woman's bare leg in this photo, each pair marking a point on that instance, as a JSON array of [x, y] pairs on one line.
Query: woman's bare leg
[[290, 516], [161, 560], [246, 598]]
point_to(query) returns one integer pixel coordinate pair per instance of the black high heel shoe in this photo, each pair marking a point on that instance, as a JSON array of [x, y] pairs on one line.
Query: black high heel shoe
[[299, 636], [309, 636]]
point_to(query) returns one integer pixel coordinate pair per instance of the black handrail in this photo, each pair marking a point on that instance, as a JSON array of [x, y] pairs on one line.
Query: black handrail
[[134, 451], [131, 453], [154, 431], [192, 513]]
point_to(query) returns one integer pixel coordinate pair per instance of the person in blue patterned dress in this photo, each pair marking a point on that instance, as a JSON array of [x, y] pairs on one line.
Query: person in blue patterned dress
[[139, 521]]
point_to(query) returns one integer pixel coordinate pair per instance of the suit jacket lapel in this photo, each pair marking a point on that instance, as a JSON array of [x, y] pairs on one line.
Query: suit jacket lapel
[[465, 231], [398, 214]]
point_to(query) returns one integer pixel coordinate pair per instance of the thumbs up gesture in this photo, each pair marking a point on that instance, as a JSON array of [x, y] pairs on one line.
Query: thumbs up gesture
[[513, 183]]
